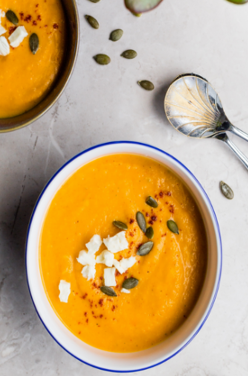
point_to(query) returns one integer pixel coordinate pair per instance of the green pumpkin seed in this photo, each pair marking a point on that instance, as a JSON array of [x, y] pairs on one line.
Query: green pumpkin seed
[[130, 283], [12, 17], [108, 291], [116, 35], [92, 21], [149, 233], [34, 43], [141, 221], [129, 54], [145, 248], [226, 190], [102, 59], [147, 85], [151, 202], [172, 226], [94, 1], [120, 225]]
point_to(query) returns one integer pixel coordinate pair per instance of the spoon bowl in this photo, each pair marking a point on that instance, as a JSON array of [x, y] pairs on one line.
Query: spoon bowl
[[193, 107]]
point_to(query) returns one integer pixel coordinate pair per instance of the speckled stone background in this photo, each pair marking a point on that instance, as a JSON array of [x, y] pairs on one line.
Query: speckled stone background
[[100, 104]]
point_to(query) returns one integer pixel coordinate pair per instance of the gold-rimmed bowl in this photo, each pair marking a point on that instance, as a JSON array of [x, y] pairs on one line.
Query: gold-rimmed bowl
[[20, 121]]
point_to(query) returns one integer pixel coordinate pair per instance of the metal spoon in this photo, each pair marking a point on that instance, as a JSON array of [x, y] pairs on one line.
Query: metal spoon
[[193, 108]]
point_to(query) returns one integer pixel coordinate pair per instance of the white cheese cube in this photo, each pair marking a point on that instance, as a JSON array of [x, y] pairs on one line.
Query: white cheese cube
[[17, 36], [65, 290], [85, 258], [117, 243], [125, 263], [109, 277], [4, 46], [2, 30], [89, 272], [125, 291], [94, 244], [105, 258]]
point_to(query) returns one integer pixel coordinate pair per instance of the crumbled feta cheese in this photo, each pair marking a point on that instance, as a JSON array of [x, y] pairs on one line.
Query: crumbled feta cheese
[[117, 243], [106, 258], [124, 264], [65, 290], [89, 272], [125, 291], [2, 30], [17, 36], [2, 14], [94, 244], [86, 258], [4, 46], [109, 277]]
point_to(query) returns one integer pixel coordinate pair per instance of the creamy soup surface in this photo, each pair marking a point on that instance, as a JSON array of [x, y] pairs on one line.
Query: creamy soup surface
[[26, 78], [170, 276]]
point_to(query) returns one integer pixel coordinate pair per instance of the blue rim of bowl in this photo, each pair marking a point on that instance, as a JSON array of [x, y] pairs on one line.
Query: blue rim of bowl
[[219, 238]]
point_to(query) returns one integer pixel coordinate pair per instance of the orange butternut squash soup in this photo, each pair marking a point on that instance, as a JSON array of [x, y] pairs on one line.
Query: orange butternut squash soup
[[114, 284], [32, 45]]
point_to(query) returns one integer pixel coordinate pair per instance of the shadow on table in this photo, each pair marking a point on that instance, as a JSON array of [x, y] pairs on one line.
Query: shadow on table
[[158, 100]]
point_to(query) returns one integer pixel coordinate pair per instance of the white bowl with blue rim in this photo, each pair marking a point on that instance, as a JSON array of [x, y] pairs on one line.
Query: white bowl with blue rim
[[141, 360]]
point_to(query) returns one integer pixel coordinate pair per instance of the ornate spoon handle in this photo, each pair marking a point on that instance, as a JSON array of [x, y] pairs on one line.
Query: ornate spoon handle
[[223, 137], [238, 132]]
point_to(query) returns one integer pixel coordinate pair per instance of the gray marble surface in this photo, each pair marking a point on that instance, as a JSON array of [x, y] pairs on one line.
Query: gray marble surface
[[104, 103]]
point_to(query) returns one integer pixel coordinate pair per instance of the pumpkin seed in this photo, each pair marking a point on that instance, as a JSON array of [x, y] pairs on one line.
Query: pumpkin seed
[[116, 35], [145, 248], [141, 221], [108, 291], [130, 283], [226, 190], [172, 226], [151, 202], [149, 233], [147, 85], [94, 1], [129, 54], [102, 59], [34, 43], [92, 21], [120, 225], [12, 17]]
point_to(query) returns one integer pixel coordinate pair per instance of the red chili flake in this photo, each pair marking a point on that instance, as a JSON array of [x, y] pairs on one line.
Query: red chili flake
[[94, 285], [12, 29], [171, 209], [125, 277], [117, 273], [147, 214], [28, 18], [131, 221], [101, 278], [34, 23], [45, 25], [87, 321], [154, 218], [130, 245], [166, 202], [101, 316], [55, 26], [160, 209], [161, 194], [164, 234], [85, 314], [93, 312], [21, 15], [168, 193], [150, 222], [84, 296], [100, 302], [131, 233], [113, 308], [37, 5], [39, 19]]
